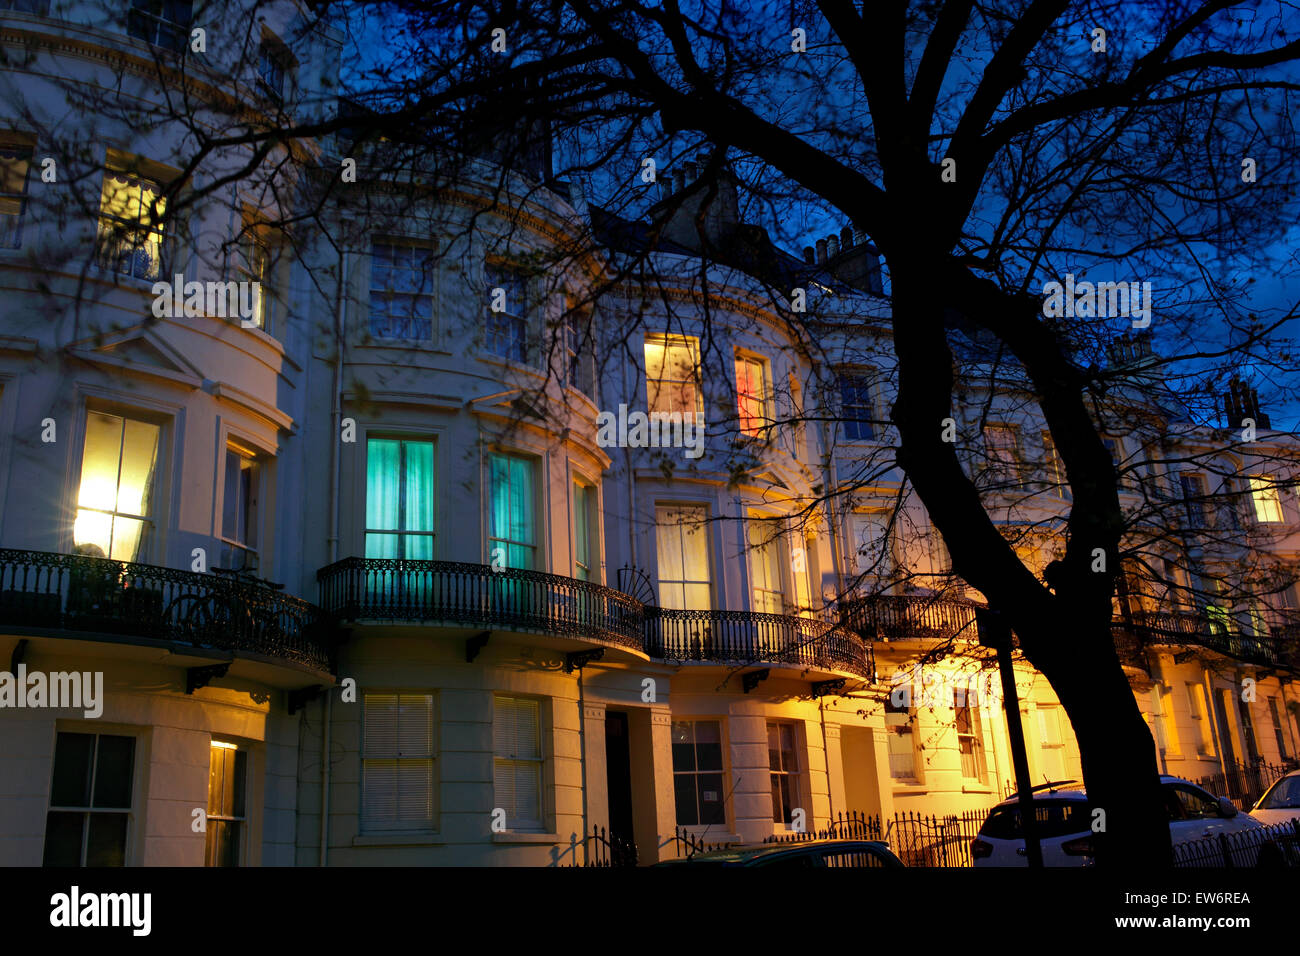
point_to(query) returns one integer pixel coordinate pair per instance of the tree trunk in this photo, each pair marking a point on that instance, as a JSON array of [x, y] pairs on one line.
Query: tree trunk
[[1117, 751]]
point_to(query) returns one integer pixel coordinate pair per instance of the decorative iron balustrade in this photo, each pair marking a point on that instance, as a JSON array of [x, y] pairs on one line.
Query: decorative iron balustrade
[[748, 637], [448, 592], [1189, 628], [71, 592], [895, 617], [445, 592]]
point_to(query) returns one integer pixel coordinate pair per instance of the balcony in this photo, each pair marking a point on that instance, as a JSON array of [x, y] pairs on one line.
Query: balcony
[[44, 592], [898, 617], [1187, 628], [746, 638], [473, 595]]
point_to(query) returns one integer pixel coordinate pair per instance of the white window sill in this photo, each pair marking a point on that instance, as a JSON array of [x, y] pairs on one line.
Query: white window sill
[[975, 788], [910, 788], [525, 837], [398, 839]]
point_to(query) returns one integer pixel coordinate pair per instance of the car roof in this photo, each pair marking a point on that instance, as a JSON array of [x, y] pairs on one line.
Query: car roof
[[755, 851], [1073, 790]]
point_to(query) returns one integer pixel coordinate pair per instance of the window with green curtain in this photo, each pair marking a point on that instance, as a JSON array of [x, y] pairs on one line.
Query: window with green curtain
[[513, 516], [399, 498], [581, 534]]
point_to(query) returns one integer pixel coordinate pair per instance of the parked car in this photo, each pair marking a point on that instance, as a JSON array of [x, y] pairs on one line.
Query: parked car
[[1280, 802], [808, 854], [1065, 823]]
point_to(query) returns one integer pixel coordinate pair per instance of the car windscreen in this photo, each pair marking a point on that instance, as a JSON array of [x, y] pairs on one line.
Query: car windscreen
[[1285, 795], [1054, 818]]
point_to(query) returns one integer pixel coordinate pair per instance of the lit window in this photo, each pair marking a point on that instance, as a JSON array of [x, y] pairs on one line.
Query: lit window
[[1267, 498], [239, 510], [90, 800], [1060, 483], [399, 499], [115, 500], [517, 742], [1052, 739], [683, 554], [130, 232], [15, 162], [857, 409], [401, 291], [164, 23], [513, 532], [752, 394], [764, 568], [507, 318], [783, 765], [227, 783], [256, 263], [697, 772], [1200, 718], [398, 760], [672, 371]]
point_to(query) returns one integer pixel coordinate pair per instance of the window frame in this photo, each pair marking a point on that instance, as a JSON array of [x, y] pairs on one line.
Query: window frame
[[855, 426], [158, 23], [90, 810], [655, 397], [793, 775], [152, 524], [388, 294], [273, 50], [239, 821], [722, 772], [401, 533], [367, 826], [535, 547], [252, 516], [998, 466], [11, 237], [1262, 485], [112, 230], [747, 423], [539, 763], [973, 735], [700, 527], [509, 336]]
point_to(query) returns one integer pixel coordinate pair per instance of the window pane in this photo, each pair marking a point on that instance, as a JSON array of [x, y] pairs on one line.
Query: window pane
[[383, 483], [712, 809], [63, 832], [106, 840], [73, 754], [708, 744], [419, 485], [113, 771], [685, 797]]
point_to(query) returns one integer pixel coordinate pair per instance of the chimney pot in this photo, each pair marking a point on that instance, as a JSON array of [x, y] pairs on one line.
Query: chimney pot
[[832, 246], [808, 254], [846, 238], [821, 251]]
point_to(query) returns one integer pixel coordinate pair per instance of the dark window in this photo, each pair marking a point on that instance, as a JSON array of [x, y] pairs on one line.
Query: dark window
[[38, 7], [273, 65], [856, 409], [401, 291], [507, 318], [697, 772], [90, 800], [164, 23]]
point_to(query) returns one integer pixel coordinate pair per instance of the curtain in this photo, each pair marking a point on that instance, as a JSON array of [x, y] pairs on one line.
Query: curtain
[[383, 495]]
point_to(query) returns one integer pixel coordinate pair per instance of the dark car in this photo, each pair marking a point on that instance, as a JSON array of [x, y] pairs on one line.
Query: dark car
[[804, 855]]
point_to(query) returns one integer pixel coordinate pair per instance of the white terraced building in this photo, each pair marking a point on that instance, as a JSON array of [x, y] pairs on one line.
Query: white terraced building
[[493, 632]]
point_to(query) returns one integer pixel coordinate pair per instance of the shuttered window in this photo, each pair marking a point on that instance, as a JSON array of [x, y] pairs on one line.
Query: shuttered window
[[398, 763], [517, 742]]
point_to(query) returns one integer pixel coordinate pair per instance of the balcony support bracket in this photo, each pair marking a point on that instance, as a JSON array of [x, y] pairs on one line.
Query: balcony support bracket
[[196, 677], [751, 680], [822, 688], [475, 645], [577, 660]]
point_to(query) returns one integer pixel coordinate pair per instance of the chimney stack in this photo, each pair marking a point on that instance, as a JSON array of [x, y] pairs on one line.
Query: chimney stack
[[808, 254], [1242, 402], [832, 246], [821, 251]]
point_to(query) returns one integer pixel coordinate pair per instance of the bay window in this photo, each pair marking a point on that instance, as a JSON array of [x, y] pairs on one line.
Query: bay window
[[672, 372], [752, 394], [91, 798], [512, 536], [226, 815], [130, 229]]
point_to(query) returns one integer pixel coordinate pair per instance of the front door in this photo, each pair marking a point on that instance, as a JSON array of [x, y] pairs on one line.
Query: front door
[[618, 767]]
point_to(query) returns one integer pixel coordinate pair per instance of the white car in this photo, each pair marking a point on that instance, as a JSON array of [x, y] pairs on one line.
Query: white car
[[1065, 823], [1280, 802]]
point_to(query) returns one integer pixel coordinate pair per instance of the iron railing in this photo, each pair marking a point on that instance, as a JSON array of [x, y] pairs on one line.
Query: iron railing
[[40, 589], [901, 616], [1181, 628], [916, 839], [744, 637], [448, 592], [1244, 784], [1269, 847]]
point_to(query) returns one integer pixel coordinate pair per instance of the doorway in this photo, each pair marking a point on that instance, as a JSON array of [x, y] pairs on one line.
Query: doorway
[[618, 767]]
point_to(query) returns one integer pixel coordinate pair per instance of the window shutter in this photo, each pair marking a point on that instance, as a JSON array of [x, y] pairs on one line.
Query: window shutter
[[397, 768]]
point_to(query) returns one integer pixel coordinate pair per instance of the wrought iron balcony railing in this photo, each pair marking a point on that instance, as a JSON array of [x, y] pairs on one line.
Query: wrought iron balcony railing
[[744, 637], [1179, 628], [474, 595], [896, 617], [45, 590], [449, 592]]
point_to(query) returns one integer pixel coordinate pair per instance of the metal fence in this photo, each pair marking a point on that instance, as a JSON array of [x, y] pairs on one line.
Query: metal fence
[[1271, 847], [1244, 784], [916, 839]]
